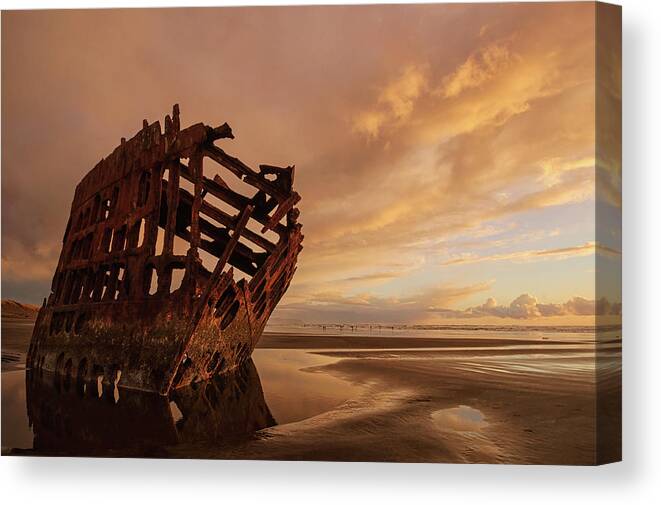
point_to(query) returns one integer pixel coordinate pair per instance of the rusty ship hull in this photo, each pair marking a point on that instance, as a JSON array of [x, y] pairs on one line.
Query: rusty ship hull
[[174, 256]]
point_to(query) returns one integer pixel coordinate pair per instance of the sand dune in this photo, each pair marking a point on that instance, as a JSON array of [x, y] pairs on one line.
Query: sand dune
[[11, 309]]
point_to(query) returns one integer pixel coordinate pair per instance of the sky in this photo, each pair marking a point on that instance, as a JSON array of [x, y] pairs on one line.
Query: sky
[[445, 154]]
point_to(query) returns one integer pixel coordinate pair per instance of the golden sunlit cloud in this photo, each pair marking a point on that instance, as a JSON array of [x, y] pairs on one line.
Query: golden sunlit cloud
[[365, 307], [395, 102], [561, 253], [480, 67], [528, 307], [408, 155]]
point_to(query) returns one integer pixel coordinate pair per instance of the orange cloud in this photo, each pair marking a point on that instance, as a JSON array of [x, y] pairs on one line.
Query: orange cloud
[[434, 305], [399, 147], [528, 307], [395, 102], [480, 67], [587, 249], [365, 307]]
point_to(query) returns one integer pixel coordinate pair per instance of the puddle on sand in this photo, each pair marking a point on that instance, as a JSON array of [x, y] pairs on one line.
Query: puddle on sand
[[461, 418], [16, 429], [294, 386]]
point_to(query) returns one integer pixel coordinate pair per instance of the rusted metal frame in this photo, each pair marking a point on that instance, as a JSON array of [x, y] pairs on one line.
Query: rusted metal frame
[[92, 220], [71, 288], [278, 283], [226, 279], [235, 199], [152, 216], [223, 218], [74, 307], [238, 259], [99, 280], [195, 166], [284, 176], [234, 165], [284, 289], [122, 293], [242, 257], [217, 179], [249, 234], [281, 211], [206, 301], [63, 287], [111, 283], [243, 171], [220, 132], [231, 244], [151, 223], [221, 192], [269, 205], [98, 273], [172, 202], [74, 292], [265, 185], [230, 197], [229, 221], [113, 256], [66, 287], [118, 243], [88, 285], [264, 270], [161, 261], [93, 251], [224, 296]]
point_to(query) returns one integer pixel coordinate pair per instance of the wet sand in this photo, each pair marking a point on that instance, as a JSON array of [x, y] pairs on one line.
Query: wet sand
[[440, 409], [349, 341], [470, 397]]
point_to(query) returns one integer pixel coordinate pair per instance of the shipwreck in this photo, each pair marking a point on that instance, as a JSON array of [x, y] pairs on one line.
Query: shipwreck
[[174, 257]]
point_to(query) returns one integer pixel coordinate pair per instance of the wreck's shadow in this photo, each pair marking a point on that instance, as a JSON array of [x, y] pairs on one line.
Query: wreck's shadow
[[70, 419]]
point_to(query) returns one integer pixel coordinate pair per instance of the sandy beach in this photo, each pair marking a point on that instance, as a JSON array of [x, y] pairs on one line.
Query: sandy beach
[[476, 396]]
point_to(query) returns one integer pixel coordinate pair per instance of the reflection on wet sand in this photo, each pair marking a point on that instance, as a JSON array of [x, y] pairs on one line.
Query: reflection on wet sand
[[453, 400], [73, 419]]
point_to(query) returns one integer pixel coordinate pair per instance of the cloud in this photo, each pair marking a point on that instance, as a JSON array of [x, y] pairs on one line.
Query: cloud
[[480, 67], [431, 304], [400, 95], [375, 276], [28, 263], [365, 307], [395, 102], [561, 253], [453, 156], [526, 306], [403, 139]]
